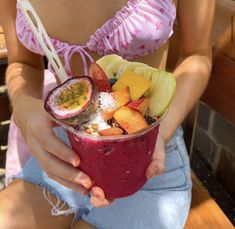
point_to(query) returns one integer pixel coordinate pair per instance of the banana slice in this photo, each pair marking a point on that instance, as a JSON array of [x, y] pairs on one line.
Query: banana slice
[[104, 61], [116, 68], [135, 65], [146, 72], [123, 67]]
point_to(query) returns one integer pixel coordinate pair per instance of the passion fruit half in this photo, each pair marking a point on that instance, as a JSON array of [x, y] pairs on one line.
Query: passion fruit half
[[72, 101]]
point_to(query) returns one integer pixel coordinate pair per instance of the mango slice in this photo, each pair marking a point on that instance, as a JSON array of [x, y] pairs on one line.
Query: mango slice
[[136, 83]]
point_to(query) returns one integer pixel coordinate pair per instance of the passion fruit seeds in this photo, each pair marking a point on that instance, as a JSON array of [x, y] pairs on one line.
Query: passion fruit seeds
[[72, 98]]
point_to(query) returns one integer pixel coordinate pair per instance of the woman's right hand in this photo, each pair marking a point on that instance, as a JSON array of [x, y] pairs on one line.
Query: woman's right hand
[[57, 159]]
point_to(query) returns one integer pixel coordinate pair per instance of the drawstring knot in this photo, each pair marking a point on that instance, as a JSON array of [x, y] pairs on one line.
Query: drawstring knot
[[68, 52]]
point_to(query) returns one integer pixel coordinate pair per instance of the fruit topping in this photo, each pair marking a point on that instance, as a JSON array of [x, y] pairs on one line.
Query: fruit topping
[[140, 105], [116, 68], [104, 61], [122, 97], [72, 98], [161, 91], [109, 102], [136, 83], [130, 119], [95, 124], [99, 77], [163, 86], [139, 95], [113, 131]]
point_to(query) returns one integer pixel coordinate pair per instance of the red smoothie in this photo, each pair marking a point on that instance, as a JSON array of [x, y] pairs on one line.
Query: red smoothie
[[116, 164]]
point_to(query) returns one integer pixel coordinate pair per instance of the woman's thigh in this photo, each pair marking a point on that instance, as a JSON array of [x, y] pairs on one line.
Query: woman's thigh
[[23, 205]]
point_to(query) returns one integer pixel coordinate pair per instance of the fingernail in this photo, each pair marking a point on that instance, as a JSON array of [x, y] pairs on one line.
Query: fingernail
[[83, 181], [95, 194], [87, 185], [75, 161], [152, 173], [149, 175]]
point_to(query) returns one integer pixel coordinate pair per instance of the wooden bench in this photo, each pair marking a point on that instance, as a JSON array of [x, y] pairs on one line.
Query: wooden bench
[[205, 213]]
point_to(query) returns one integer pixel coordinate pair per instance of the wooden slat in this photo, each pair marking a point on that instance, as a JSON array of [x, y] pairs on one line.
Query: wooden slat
[[205, 213], [2, 157], [223, 33], [220, 93], [3, 49], [4, 128], [3, 67], [4, 106], [2, 175], [224, 28], [228, 4]]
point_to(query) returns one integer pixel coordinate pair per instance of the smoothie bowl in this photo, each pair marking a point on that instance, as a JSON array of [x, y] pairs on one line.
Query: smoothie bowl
[[116, 164], [112, 119]]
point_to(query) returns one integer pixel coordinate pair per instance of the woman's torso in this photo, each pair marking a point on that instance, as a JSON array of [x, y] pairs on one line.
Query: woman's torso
[[74, 22]]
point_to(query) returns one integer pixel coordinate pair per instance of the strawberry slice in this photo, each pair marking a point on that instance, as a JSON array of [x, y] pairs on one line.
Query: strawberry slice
[[99, 77]]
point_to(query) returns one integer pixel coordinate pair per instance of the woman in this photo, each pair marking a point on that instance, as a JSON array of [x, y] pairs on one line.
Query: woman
[[34, 195]]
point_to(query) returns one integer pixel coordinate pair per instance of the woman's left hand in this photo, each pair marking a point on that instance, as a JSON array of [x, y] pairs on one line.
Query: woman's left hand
[[155, 168]]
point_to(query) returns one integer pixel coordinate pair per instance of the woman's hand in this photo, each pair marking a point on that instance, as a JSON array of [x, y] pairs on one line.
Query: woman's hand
[[56, 158], [157, 166], [98, 197]]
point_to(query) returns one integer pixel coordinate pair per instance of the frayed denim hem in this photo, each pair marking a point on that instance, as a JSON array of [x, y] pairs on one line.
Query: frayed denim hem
[[59, 205]]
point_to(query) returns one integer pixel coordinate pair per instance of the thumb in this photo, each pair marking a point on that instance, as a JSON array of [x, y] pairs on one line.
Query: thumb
[[157, 166]]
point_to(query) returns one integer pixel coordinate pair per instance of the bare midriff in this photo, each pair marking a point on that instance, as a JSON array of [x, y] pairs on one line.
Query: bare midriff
[[71, 22]]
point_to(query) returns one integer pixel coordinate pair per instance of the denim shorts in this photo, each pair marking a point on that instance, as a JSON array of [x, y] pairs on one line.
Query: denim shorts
[[163, 202]]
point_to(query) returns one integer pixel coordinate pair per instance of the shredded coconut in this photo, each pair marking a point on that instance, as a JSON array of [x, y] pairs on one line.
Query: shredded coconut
[[107, 102], [96, 124]]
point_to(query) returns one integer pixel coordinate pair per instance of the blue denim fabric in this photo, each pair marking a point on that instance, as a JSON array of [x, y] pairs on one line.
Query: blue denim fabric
[[163, 202]]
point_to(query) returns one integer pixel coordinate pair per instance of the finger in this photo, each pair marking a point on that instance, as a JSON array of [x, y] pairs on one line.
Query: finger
[[75, 187], [53, 165], [62, 169], [155, 168], [157, 165], [55, 146], [98, 199]]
